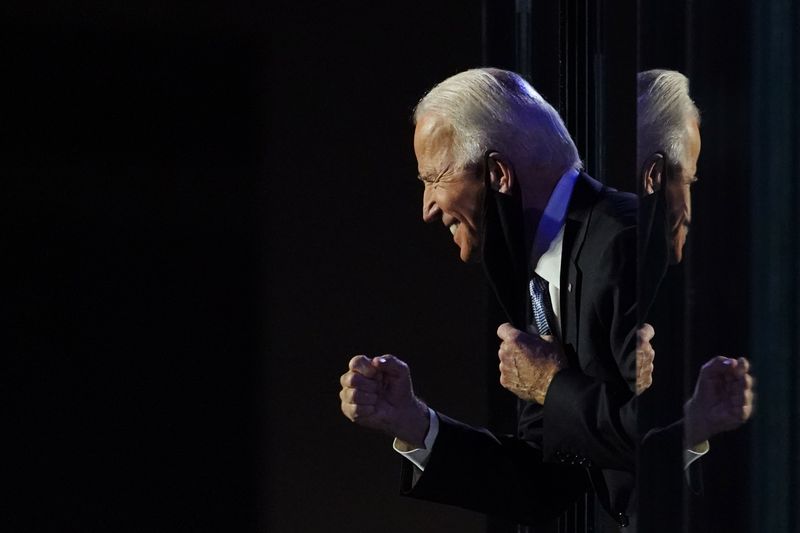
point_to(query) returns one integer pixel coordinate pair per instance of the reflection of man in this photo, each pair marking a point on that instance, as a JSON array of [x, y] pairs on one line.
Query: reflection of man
[[501, 173], [668, 148]]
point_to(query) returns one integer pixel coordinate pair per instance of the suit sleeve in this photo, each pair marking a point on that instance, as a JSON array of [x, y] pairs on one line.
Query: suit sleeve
[[500, 475], [593, 419]]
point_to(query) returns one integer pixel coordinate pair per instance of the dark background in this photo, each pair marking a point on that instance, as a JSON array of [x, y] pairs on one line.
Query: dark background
[[211, 207], [134, 143]]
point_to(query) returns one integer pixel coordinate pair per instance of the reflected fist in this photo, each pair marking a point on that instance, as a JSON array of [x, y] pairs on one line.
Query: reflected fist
[[645, 355], [723, 399]]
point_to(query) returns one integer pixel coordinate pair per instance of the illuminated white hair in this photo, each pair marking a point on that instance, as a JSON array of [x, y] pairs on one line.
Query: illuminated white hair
[[497, 109], [663, 107]]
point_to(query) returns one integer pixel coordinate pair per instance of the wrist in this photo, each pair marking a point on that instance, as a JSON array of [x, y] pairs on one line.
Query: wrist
[[412, 437], [693, 427], [551, 372]]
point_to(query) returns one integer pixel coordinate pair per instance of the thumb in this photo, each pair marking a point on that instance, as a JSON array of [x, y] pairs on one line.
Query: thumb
[[507, 332], [391, 366], [645, 332], [718, 365]]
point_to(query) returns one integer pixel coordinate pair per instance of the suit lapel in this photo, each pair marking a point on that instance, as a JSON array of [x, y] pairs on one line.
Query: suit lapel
[[584, 197]]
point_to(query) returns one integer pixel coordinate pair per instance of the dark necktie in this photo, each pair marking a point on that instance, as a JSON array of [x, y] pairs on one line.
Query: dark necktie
[[540, 298]]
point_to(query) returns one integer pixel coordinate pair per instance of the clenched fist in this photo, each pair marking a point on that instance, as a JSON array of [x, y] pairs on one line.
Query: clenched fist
[[377, 393], [645, 355], [528, 362], [723, 399]]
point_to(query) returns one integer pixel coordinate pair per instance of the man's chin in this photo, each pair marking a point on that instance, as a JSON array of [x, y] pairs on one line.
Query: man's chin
[[471, 255], [675, 256], [676, 249]]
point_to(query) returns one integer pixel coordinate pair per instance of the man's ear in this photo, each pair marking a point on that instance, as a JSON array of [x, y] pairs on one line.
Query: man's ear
[[652, 173], [501, 173]]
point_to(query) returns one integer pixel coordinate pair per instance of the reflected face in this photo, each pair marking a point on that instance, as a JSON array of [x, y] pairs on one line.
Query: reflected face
[[452, 194], [678, 193]]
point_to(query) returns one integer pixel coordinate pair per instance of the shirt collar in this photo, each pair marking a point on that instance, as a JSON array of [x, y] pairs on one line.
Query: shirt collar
[[546, 251]]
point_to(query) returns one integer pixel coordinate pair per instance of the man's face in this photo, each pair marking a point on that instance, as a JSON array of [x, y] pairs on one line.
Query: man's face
[[452, 194], [678, 193]]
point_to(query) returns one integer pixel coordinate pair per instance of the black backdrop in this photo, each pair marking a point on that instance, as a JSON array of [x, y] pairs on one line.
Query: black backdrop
[[134, 151]]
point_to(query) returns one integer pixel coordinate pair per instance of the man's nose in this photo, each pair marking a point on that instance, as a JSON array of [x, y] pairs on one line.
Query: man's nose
[[430, 211]]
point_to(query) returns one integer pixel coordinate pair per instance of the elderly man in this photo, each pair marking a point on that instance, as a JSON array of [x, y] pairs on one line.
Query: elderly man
[[502, 174]]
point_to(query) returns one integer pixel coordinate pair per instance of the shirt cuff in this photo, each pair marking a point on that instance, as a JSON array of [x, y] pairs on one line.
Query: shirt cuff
[[694, 453], [419, 456]]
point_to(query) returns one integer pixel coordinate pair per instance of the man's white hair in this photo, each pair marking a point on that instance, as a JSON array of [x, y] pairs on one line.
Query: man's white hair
[[493, 109], [662, 110]]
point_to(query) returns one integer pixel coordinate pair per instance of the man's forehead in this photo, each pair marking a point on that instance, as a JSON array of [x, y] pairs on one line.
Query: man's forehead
[[433, 138], [692, 141], [433, 124]]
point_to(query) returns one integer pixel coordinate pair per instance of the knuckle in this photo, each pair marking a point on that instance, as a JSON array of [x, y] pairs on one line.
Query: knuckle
[[356, 380], [355, 361], [350, 395], [347, 411]]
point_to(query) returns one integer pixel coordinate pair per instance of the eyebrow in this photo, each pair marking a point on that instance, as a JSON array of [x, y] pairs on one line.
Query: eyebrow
[[427, 178]]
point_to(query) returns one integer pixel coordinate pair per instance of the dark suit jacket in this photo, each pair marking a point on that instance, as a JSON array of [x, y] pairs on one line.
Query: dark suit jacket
[[583, 437]]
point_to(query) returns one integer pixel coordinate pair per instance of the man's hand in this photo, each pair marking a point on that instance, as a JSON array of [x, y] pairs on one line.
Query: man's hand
[[722, 400], [528, 363], [645, 354], [377, 393]]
